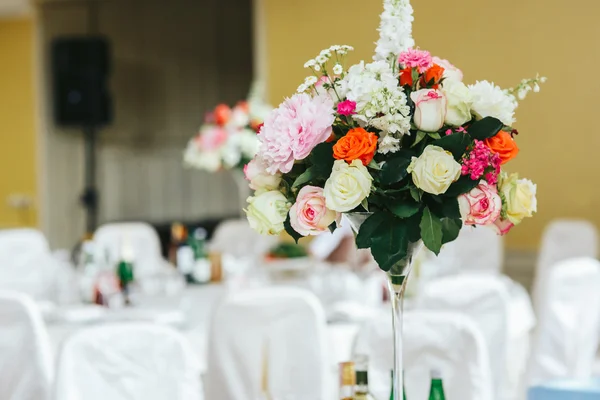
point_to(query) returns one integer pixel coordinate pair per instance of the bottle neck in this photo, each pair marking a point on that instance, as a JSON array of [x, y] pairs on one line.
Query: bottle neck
[[437, 390]]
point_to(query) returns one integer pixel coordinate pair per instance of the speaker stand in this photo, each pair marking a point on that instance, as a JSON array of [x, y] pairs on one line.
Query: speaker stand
[[89, 198]]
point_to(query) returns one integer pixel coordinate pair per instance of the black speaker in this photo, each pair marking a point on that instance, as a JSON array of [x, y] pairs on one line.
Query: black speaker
[[80, 70]]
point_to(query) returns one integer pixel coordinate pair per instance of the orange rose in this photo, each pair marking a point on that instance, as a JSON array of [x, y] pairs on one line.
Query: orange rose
[[222, 114], [406, 77], [503, 145], [358, 144], [433, 74]]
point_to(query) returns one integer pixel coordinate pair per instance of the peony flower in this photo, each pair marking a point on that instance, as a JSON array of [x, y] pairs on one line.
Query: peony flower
[[434, 170], [347, 186], [260, 180], [357, 144], [481, 206], [502, 226], [459, 102], [346, 107], [415, 58], [491, 101], [267, 212], [291, 131], [450, 71], [309, 215], [519, 196], [430, 109]]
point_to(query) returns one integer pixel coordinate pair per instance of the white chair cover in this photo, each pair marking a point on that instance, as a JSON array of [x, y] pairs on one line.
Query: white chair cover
[[131, 361], [273, 337], [142, 237], [25, 353], [562, 239], [568, 328], [476, 250], [485, 299], [236, 237], [446, 341]]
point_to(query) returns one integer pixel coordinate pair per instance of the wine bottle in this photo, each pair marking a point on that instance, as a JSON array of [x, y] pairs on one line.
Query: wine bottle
[[437, 388], [361, 390], [347, 381], [392, 389]]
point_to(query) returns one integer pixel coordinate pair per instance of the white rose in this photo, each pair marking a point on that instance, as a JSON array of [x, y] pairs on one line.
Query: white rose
[[267, 212], [519, 195], [347, 186], [459, 102], [430, 109], [260, 180], [434, 170]]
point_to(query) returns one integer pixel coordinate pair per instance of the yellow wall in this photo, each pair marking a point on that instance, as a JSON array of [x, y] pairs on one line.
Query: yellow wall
[[502, 41], [17, 127]]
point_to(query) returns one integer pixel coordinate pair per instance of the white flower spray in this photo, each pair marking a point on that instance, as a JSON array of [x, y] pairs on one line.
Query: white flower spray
[[395, 30]]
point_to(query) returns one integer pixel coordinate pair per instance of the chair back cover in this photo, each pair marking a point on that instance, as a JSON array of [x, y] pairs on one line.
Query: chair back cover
[[142, 239], [567, 334], [270, 340], [486, 300], [129, 361], [236, 237], [445, 341], [26, 364], [563, 239]]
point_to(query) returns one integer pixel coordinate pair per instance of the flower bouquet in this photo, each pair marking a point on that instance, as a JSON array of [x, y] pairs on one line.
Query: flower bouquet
[[400, 146], [227, 139]]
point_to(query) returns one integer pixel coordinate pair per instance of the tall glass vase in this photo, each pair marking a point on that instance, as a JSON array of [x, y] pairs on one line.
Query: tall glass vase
[[397, 278], [242, 188]]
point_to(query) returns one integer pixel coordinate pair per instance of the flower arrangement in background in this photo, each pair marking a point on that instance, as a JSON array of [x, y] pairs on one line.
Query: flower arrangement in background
[[402, 138], [227, 139]]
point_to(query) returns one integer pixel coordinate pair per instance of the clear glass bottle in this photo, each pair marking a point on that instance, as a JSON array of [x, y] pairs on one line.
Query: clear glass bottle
[[361, 389], [392, 388], [436, 392], [347, 381]]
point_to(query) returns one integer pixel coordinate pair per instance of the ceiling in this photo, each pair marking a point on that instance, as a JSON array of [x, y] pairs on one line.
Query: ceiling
[[11, 8]]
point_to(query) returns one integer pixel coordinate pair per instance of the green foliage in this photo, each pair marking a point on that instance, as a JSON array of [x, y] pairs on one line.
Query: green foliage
[[404, 209], [389, 243], [288, 228], [450, 229], [288, 250], [431, 231], [455, 143], [464, 184], [322, 158], [365, 233], [485, 128], [310, 174], [394, 170]]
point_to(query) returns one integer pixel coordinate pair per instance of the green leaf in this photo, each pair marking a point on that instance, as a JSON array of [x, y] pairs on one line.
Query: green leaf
[[431, 231], [456, 144], [485, 128], [288, 228], [305, 177], [413, 228], [420, 136], [450, 229], [365, 233], [389, 244], [394, 170], [415, 75], [434, 135], [450, 208], [404, 209], [374, 165], [365, 204], [322, 156], [416, 193], [464, 184], [332, 227]]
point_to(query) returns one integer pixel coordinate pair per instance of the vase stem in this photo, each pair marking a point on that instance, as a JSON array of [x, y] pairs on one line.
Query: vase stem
[[397, 285]]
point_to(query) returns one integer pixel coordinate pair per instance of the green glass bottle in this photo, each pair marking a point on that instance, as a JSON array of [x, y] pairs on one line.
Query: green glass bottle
[[361, 390], [392, 389], [437, 388]]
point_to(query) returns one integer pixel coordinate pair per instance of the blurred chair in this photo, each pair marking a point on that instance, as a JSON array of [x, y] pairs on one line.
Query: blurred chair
[[130, 361], [26, 364], [446, 341], [486, 300], [568, 328], [562, 239], [269, 340], [236, 237], [142, 238], [22, 240]]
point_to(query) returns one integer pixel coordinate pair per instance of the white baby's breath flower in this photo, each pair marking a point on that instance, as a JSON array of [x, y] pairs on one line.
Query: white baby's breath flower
[[321, 59], [536, 88], [310, 80], [310, 63], [338, 69], [325, 53], [347, 48], [543, 79], [335, 47], [302, 88]]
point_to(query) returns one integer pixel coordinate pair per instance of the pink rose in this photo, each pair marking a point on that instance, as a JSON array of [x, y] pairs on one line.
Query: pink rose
[[309, 216], [430, 109], [502, 226], [293, 129], [481, 206], [346, 107], [450, 71], [211, 138]]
